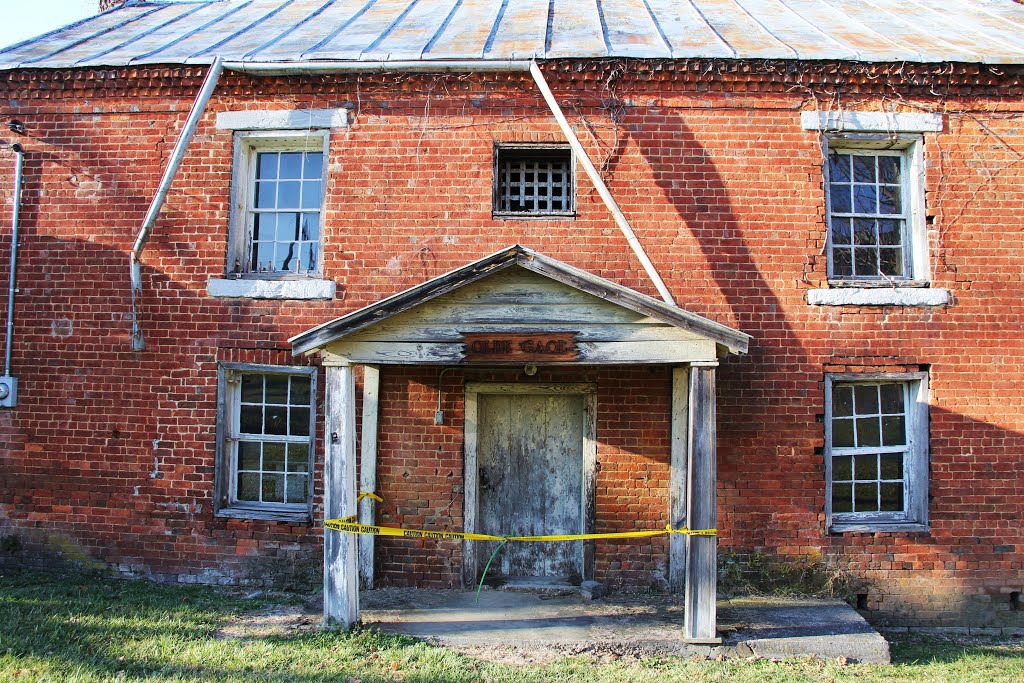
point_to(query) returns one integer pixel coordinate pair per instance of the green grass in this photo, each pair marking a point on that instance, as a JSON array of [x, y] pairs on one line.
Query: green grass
[[80, 628]]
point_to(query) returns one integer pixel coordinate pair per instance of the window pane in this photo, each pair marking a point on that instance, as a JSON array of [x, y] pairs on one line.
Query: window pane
[[307, 257], [291, 165], [890, 261], [892, 398], [287, 257], [248, 486], [300, 391], [298, 457], [310, 195], [842, 400], [840, 231], [842, 262], [266, 165], [842, 433], [864, 231], [250, 420], [839, 168], [266, 193], [277, 420], [273, 488], [262, 257], [889, 200], [865, 467], [868, 433], [894, 431], [840, 198], [892, 466], [866, 399], [287, 227], [288, 194], [264, 226], [313, 165], [842, 497], [892, 497], [273, 457], [889, 170], [310, 227], [299, 425], [865, 199], [297, 488], [252, 388], [864, 169], [277, 389], [842, 468], [866, 261], [865, 497], [249, 455], [890, 232]]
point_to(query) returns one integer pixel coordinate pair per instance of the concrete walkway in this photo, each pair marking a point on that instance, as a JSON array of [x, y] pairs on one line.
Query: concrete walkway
[[565, 622]]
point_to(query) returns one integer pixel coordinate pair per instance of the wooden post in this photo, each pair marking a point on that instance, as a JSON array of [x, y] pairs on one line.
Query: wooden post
[[678, 478], [341, 571], [700, 611], [368, 471]]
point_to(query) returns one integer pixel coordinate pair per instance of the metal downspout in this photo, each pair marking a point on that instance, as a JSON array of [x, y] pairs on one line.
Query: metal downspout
[[9, 384], [602, 189], [173, 163]]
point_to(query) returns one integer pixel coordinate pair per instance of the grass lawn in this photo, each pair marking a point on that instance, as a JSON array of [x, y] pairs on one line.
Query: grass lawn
[[83, 628]]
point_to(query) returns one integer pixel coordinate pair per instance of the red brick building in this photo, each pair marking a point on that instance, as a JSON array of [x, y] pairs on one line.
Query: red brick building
[[329, 288]]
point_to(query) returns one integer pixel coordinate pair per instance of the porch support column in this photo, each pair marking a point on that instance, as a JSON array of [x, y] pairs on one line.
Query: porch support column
[[368, 471], [678, 478], [700, 611], [341, 570]]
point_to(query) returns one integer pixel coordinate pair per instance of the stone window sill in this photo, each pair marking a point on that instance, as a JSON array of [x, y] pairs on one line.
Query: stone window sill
[[878, 296], [271, 289]]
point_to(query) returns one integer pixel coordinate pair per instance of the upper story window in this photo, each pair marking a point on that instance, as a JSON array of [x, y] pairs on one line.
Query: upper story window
[[534, 181], [876, 451], [875, 204], [279, 195], [265, 446]]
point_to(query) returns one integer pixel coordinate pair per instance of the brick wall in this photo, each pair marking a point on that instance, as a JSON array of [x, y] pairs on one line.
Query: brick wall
[[110, 454]]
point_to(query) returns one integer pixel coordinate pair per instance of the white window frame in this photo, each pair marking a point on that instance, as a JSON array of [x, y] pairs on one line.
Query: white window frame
[[514, 148], [247, 144], [914, 517], [909, 147], [229, 378]]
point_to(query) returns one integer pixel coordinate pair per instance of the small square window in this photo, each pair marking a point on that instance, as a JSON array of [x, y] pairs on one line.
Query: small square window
[[534, 181], [279, 192], [265, 442], [876, 451], [874, 203]]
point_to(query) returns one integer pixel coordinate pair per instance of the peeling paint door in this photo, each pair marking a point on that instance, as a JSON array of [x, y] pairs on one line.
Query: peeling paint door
[[531, 482]]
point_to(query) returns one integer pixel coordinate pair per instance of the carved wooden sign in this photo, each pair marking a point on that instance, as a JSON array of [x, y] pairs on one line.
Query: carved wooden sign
[[504, 347]]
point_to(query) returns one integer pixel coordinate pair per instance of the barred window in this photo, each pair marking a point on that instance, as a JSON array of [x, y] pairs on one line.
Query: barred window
[[876, 449], [534, 181], [266, 445]]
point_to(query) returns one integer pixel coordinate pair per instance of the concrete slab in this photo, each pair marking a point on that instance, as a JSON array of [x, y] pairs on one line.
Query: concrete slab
[[623, 624]]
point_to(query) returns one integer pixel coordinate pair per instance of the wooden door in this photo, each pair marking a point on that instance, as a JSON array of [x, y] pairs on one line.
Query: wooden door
[[531, 469]]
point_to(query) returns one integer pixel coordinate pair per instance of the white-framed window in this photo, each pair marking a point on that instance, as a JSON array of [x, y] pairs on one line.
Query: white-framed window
[[265, 444], [534, 181], [278, 196], [875, 210], [876, 451]]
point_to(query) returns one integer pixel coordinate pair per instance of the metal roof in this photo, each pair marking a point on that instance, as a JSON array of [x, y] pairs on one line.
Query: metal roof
[[164, 32]]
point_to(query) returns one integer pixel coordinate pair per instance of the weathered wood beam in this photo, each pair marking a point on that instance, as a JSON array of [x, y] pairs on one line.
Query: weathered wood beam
[[700, 611], [678, 478], [341, 571], [368, 471]]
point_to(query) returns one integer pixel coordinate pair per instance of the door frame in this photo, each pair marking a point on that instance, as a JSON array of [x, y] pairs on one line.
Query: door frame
[[471, 472]]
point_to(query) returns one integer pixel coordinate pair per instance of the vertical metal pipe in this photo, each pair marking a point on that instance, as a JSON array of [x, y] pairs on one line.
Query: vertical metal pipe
[[15, 217]]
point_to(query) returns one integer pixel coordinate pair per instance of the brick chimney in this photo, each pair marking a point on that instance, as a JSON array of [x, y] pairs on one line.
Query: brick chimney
[[110, 4]]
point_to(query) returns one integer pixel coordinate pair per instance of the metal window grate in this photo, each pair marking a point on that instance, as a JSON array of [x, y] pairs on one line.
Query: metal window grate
[[534, 182]]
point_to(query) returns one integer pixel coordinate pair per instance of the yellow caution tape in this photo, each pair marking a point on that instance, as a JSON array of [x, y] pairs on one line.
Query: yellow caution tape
[[345, 525], [362, 494]]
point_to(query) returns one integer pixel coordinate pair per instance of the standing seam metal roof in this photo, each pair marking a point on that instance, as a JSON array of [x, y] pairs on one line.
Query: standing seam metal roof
[[192, 32]]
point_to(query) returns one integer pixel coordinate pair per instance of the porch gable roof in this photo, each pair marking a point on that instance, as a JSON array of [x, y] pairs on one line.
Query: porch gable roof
[[727, 338]]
